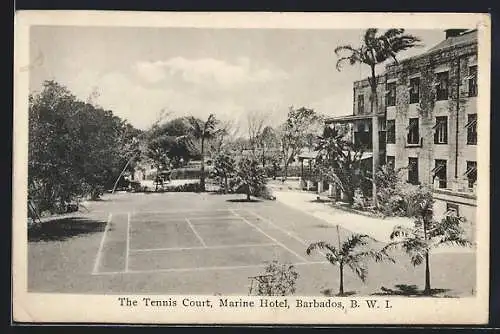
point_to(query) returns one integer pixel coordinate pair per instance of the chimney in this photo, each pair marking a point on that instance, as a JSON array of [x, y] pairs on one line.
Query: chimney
[[454, 32]]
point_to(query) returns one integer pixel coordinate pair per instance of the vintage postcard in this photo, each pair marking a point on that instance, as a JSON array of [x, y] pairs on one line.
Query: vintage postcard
[[251, 168]]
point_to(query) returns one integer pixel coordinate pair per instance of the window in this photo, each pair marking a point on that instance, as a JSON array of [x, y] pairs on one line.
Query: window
[[415, 90], [441, 130], [391, 162], [361, 126], [452, 208], [391, 132], [362, 137], [391, 94], [439, 172], [472, 78], [413, 170], [471, 173], [361, 104], [471, 129], [413, 135], [442, 86]]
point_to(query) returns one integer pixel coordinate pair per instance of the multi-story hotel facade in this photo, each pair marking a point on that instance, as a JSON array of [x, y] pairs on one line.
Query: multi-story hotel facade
[[427, 112]]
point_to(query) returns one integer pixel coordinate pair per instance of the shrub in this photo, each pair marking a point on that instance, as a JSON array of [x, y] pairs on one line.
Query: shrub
[[188, 187], [392, 192], [279, 279], [250, 176], [360, 201]]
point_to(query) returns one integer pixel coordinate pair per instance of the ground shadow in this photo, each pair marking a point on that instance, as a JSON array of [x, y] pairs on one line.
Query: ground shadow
[[334, 293], [243, 200], [409, 291], [319, 200], [99, 199], [324, 226], [64, 228]]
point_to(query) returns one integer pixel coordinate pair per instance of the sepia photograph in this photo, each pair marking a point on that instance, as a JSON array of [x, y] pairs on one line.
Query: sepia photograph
[[323, 174]]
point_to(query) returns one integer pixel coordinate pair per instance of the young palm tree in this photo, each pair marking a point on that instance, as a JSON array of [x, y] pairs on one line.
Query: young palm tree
[[348, 254], [203, 131], [426, 233], [376, 49]]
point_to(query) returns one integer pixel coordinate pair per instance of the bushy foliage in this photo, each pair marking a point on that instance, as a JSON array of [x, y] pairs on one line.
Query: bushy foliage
[[188, 187], [75, 148], [339, 162], [279, 279], [250, 177], [224, 169], [360, 201], [293, 135], [184, 173], [392, 191]]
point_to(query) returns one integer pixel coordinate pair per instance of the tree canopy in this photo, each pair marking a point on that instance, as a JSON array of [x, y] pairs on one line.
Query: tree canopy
[[75, 148]]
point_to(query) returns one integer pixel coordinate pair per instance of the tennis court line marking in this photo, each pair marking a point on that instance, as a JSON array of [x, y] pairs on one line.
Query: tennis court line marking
[[139, 250], [267, 235], [196, 233], [202, 268], [214, 219], [290, 234], [184, 211], [101, 245], [127, 247]]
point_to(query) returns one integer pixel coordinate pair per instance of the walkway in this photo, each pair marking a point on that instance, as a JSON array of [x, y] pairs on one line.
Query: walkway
[[377, 228]]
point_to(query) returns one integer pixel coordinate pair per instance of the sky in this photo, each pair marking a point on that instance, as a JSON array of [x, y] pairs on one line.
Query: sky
[[138, 72]]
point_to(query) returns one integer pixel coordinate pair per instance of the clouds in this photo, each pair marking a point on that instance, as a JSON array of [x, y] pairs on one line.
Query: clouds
[[151, 72], [207, 71]]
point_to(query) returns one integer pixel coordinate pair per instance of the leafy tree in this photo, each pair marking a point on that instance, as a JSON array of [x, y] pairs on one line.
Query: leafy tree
[[170, 142], [375, 49], [339, 162], [250, 177], [391, 191], [426, 233], [269, 144], [75, 148], [294, 133], [224, 168], [349, 253], [255, 123], [238, 145], [203, 131]]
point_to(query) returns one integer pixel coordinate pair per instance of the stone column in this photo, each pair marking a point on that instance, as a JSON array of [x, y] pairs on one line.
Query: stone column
[[331, 190], [320, 186]]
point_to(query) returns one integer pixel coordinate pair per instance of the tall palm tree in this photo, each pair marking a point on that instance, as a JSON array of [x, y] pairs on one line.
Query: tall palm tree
[[376, 49], [202, 131], [348, 254]]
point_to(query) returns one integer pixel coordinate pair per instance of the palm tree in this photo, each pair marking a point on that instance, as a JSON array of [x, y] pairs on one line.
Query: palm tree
[[376, 49], [339, 162], [203, 131], [347, 255], [426, 234]]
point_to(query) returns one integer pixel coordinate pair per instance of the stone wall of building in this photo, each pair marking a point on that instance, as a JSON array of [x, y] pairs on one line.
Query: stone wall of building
[[456, 152], [455, 59]]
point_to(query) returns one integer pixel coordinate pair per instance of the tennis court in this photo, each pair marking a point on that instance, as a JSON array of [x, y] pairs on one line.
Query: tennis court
[[177, 241], [186, 243]]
